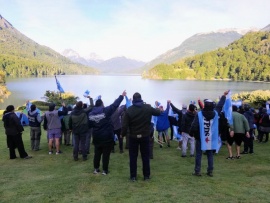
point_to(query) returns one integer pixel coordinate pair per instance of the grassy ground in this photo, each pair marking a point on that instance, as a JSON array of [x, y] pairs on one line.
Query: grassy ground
[[57, 178]]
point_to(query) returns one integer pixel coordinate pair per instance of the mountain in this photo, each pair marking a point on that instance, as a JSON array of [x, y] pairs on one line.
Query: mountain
[[267, 28], [117, 65], [246, 59], [196, 44], [19, 55]]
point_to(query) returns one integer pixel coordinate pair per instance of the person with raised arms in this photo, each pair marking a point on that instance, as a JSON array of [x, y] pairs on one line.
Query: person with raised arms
[[103, 134]]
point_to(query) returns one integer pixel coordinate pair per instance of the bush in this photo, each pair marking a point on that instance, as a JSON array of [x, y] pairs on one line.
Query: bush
[[254, 98], [55, 97]]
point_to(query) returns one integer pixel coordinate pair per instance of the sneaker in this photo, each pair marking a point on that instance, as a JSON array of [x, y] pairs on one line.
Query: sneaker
[[192, 155], [196, 174], [244, 152], [168, 145], [251, 152], [146, 178], [105, 173], [28, 157], [160, 146], [179, 148], [183, 155], [96, 171], [50, 152], [59, 152], [133, 179], [210, 174]]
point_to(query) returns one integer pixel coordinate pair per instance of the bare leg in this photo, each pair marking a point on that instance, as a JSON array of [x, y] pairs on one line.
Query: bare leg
[[57, 144], [229, 147]]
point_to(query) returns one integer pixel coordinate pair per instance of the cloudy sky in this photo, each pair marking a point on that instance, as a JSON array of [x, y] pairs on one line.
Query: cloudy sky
[[137, 29]]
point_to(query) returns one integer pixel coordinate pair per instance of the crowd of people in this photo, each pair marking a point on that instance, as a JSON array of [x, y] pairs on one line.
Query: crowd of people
[[203, 129]]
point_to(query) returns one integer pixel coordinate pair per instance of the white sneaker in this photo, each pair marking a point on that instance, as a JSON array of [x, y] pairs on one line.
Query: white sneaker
[[179, 148], [50, 152]]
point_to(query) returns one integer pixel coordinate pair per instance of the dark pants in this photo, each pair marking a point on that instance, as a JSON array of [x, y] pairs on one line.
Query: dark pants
[[88, 140], [118, 133], [261, 134], [79, 139], [134, 144], [13, 142], [248, 142], [198, 160], [105, 151], [35, 133]]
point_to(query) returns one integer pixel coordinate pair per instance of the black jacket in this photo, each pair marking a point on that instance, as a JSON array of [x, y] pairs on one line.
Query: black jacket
[[187, 120], [100, 121], [138, 120], [180, 115], [12, 124], [78, 121]]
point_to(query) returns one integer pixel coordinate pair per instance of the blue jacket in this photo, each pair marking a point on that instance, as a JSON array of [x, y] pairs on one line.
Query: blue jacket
[[163, 120], [100, 121]]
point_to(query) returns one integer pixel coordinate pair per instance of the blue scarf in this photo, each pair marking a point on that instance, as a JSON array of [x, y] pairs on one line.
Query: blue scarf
[[208, 132]]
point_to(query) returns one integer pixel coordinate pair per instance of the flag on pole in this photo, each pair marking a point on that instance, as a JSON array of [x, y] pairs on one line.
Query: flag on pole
[[59, 87]]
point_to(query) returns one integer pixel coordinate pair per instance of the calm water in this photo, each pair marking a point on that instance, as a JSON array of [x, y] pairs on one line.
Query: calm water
[[110, 87]]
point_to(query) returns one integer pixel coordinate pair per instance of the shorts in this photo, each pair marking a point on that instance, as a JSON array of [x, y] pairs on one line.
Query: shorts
[[54, 133], [165, 132], [237, 138]]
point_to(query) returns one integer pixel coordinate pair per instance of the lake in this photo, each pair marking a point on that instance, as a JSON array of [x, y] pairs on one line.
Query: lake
[[111, 86]]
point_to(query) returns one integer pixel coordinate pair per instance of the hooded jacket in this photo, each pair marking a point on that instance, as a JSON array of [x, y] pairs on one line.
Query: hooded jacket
[[34, 118], [208, 114], [12, 124], [137, 119], [187, 120], [78, 121], [100, 121], [163, 120], [250, 118]]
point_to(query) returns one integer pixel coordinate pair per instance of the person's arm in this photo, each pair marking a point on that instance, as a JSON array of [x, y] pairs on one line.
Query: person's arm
[[64, 110], [168, 107], [87, 110], [201, 105], [45, 123], [70, 122], [111, 109], [125, 125], [221, 102], [155, 112], [175, 110]]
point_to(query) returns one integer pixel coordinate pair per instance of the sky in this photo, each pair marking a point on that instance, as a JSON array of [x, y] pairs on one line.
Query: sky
[[136, 29]]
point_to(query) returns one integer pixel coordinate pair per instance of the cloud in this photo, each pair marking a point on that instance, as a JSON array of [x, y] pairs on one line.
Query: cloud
[[141, 29]]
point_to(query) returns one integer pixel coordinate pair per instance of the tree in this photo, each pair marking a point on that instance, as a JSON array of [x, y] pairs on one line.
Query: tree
[[4, 93]]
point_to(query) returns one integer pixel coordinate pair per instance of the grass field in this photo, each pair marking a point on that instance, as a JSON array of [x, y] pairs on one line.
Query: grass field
[[57, 178]]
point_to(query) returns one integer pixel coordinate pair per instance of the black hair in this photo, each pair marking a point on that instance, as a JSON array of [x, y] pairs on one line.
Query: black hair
[[33, 107], [98, 103], [137, 96]]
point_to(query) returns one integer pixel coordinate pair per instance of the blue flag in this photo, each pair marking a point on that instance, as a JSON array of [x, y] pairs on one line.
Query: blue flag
[[59, 87], [128, 102], [86, 93], [227, 108]]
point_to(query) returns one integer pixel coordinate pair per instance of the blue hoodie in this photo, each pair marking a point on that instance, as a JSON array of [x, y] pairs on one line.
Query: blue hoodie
[[100, 121], [163, 120]]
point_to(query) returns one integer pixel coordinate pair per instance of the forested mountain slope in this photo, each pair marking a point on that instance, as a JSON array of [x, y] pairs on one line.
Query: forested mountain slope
[[245, 59], [20, 55]]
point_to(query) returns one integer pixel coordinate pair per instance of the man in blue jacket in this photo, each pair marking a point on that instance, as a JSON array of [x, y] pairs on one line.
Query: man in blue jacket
[[103, 135]]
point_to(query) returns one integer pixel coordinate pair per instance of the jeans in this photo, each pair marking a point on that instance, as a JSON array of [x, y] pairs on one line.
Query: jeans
[[88, 140], [185, 139], [198, 159], [248, 142], [134, 144]]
